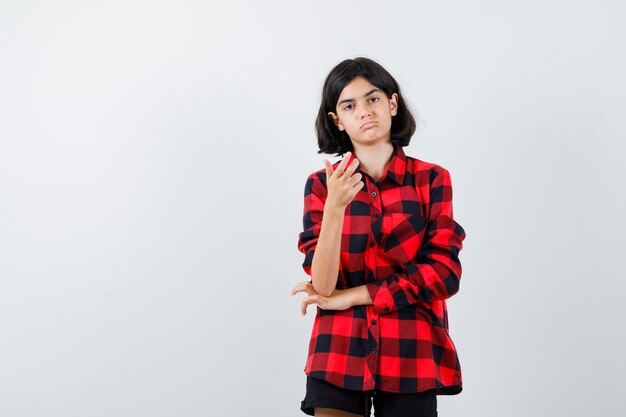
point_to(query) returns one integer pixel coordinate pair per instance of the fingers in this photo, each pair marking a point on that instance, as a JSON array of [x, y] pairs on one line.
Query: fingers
[[343, 182], [357, 187], [329, 169], [308, 290], [352, 167], [342, 168], [342, 165], [306, 301], [355, 179], [311, 298], [303, 286]]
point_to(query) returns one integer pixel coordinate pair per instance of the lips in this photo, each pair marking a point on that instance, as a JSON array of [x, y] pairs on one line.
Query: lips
[[368, 125]]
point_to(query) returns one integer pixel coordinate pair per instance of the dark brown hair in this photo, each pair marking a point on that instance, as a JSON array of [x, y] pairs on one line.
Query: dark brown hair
[[332, 140]]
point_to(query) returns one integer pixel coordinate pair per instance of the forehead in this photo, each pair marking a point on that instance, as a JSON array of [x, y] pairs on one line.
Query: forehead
[[356, 88]]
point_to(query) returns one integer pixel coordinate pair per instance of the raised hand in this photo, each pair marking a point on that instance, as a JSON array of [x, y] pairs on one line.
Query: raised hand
[[342, 185]]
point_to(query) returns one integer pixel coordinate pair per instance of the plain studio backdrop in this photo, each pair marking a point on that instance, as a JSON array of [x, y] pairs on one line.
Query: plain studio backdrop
[[153, 157]]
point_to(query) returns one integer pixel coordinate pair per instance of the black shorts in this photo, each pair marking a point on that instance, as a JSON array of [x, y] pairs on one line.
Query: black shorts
[[320, 393]]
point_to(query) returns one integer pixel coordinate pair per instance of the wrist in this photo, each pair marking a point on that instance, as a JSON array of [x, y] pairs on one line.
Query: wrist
[[334, 208]]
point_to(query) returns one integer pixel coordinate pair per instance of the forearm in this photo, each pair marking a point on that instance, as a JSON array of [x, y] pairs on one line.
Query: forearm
[[325, 264], [434, 275], [359, 295], [425, 282]]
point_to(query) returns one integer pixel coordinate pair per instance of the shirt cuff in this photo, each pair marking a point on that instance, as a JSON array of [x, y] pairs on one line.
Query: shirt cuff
[[382, 300]]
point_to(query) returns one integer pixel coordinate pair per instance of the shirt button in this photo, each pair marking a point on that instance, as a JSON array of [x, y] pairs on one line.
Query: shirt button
[[386, 308], [371, 244], [373, 321], [370, 273], [373, 350], [373, 193], [377, 215]]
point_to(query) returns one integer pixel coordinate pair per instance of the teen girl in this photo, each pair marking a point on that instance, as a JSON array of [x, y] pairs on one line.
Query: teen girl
[[381, 247]]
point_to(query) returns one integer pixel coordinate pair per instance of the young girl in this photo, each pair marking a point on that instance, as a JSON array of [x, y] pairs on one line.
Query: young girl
[[381, 246]]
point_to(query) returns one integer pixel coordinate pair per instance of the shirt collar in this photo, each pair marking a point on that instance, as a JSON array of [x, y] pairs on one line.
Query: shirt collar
[[396, 167]]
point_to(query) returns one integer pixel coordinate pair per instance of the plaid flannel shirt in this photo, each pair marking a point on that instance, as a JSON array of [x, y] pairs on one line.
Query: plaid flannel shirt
[[399, 239]]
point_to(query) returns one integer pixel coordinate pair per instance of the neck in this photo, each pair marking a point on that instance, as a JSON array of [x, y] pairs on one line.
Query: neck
[[373, 158]]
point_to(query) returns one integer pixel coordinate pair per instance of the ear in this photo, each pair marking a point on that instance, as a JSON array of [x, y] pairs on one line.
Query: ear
[[335, 120], [393, 104]]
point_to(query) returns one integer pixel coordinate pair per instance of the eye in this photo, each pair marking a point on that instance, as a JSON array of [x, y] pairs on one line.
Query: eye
[[346, 108], [375, 98]]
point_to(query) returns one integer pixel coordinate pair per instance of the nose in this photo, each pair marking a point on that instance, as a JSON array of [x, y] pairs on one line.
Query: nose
[[365, 111]]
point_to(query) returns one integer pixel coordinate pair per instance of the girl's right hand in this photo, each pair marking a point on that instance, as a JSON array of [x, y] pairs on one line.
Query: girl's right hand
[[342, 185]]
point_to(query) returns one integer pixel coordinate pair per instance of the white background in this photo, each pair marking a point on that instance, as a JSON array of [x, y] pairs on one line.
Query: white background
[[153, 157]]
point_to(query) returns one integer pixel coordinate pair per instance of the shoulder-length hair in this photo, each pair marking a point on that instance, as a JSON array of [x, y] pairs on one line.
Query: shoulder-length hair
[[332, 140]]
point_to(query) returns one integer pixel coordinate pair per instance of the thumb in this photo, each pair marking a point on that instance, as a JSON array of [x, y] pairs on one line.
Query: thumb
[[329, 169]]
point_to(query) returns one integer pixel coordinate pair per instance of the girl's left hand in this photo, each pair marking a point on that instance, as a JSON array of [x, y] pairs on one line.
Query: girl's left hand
[[338, 300]]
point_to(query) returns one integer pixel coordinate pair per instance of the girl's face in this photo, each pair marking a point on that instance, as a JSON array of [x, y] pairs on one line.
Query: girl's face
[[365, 112]]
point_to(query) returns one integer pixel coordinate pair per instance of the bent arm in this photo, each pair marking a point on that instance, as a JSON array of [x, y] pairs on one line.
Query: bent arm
[[325, 264], [320, 240], [437, 273]]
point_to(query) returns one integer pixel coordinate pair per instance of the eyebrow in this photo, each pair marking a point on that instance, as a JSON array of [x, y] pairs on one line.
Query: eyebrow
[[364, 95]]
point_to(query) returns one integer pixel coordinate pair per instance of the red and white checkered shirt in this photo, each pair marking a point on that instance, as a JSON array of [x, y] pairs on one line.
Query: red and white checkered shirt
[[400, 240]]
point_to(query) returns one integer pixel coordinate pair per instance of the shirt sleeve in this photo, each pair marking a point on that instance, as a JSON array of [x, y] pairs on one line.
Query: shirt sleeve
[[437, 273], [315, 193]]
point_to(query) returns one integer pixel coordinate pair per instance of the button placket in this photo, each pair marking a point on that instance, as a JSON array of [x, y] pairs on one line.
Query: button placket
[[375, 207], [374, 331]]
